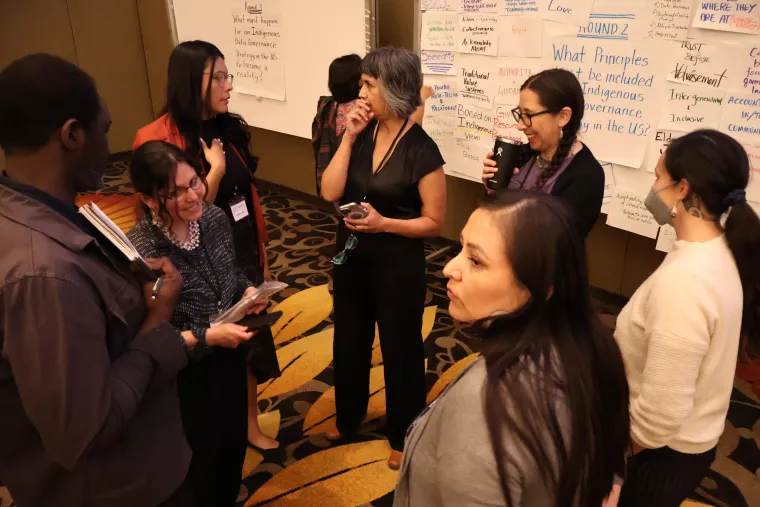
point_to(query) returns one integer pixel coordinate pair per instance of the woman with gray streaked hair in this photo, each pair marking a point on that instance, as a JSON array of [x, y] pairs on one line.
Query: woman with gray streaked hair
[[391, 171]]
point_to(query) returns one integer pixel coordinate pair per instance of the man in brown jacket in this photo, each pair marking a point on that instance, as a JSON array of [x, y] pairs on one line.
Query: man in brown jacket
[[89, 414]]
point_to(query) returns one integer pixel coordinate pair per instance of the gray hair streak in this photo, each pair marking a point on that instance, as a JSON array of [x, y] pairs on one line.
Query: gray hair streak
[[399, 75]]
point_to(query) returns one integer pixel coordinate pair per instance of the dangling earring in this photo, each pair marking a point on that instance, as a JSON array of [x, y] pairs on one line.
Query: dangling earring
[[674, 210], [561, 133]]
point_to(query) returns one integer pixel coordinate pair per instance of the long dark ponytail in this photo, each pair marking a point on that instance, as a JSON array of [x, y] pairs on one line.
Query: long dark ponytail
[[556, 382], [557, 89], [185, 105], [718, 170]]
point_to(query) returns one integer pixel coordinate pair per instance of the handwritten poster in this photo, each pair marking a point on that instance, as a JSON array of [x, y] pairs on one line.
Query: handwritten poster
[[504, 125], [669, 19], [520, 36], [511, 75], [467, 158], [741, 115], [748, 70], [438, 62], [478, 34], [657, 145], [519, 7], [439, 31], [477, 83], [258, 62], [627, 212], [609, 183], [691, 107], [479, 5], [742, 16], [439, 5], [699, 63], [473, 123], [620, 81], [444, 100], [441, 130], [614, 20], [666, 238], [574, 12], [753, 189]]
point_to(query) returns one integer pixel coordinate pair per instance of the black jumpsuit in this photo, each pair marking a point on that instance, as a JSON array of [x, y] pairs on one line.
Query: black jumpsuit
[[383, 282]]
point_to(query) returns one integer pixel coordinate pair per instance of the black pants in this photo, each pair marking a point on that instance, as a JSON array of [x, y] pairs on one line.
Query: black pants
[[383, 282], [183, 497], [663, 477], [213, 399]]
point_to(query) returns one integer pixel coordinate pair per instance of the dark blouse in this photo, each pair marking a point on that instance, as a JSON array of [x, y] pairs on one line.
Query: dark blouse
[[212, 280], [236, 182], [393, 190]]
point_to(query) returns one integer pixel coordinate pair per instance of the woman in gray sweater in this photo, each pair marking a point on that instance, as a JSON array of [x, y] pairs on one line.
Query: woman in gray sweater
[[541, 419]]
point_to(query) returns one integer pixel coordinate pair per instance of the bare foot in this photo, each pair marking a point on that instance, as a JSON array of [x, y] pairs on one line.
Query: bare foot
[[263, 442]]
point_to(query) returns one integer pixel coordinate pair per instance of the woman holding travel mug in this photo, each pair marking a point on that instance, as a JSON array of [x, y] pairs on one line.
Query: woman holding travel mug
[[555, 162]]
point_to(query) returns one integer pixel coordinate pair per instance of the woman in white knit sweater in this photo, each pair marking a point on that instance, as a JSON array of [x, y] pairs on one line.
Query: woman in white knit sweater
[[682, 330]]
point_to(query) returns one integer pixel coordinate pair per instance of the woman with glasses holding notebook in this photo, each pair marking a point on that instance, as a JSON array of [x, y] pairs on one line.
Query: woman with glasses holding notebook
[[389, 172], [213, 397], [555, 161], [198, 120]]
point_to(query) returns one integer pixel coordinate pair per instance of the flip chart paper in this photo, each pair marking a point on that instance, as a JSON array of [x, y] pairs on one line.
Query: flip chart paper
[[668, 19], [478, 34], [259, 62], [520, 36], [439, 31], [445, 97], [627, 212], [621, 82], [666, 238], [728, 15], [438, 62]]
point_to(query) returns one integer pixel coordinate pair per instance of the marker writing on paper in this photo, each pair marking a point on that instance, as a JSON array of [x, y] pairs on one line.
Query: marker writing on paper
[[157, 287]]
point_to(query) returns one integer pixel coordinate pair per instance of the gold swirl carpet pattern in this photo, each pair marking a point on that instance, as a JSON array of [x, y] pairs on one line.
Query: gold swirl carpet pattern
[[296, 408]]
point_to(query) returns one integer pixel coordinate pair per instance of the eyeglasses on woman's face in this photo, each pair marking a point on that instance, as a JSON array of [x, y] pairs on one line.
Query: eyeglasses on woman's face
[[179, 192], [222, 77], [527, 118]]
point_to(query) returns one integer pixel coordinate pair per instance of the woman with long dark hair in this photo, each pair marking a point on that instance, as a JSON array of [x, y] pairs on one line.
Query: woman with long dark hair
[[198, 120], [542, 417], [555, 161], [683, 329]]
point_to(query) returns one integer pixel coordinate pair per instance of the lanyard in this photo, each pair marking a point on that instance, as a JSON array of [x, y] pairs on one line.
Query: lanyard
[[387, 153]]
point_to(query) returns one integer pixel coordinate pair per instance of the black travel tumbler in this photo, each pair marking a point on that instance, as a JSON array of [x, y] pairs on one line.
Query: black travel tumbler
[[506, 153]]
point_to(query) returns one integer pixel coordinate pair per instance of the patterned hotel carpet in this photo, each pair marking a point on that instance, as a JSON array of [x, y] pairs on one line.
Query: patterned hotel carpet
[[308, 470]]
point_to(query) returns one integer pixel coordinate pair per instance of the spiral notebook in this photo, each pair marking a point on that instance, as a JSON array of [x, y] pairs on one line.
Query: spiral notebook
[[113, 233]]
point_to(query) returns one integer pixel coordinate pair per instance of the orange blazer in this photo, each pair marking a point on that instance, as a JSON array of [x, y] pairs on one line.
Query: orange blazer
[[163, 129]]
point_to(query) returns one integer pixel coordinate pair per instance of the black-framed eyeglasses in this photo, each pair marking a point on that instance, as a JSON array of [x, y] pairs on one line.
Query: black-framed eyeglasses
[[342, 257], [196, 184], [221, 78], [527, 118]]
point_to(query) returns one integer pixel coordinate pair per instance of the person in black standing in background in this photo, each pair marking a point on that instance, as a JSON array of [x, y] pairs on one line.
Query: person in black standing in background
[[198, 120], [390, 165]]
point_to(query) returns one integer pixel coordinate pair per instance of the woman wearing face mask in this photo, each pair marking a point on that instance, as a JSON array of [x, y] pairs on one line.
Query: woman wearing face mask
[[388, 164], [683, 328], [197, 119], [557, 163], [197, 238], [542, 417]]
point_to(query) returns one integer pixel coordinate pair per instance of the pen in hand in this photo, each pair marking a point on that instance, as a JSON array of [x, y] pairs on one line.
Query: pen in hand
[[157, 287]]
